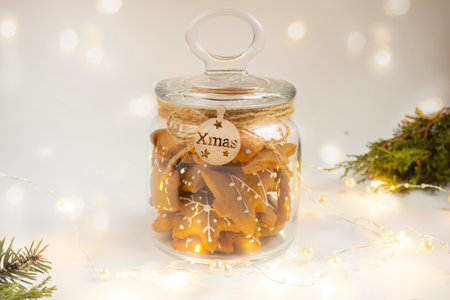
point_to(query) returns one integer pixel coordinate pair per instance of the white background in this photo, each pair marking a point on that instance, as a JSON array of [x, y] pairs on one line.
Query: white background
[[67, 124]]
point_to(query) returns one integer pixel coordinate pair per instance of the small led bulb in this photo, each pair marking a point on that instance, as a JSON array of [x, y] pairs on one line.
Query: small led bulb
[[334, 261], [307, 251]]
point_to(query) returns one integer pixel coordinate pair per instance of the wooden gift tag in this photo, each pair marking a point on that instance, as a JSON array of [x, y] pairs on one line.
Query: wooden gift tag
[[217, 141]]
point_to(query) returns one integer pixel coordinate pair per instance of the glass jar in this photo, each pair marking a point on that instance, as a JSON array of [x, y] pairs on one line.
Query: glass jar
[[224, 158]]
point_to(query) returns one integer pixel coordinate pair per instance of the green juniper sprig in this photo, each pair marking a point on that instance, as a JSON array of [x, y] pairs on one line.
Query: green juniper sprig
[[19, 272], [418, 153]]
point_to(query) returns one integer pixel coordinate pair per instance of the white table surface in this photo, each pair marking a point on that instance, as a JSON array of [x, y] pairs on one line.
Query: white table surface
[[67, 125]]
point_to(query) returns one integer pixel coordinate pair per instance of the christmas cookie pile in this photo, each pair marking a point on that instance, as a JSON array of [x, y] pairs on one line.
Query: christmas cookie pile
[[224, 208]]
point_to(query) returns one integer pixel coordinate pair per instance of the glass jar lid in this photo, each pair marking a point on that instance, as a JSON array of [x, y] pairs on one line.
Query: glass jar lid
[[225, 77]]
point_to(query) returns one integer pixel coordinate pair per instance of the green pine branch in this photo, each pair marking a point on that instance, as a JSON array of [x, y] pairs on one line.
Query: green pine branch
[[19, 271], [418, 153]]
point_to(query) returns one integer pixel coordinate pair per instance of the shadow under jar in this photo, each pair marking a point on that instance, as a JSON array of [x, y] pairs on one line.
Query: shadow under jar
[[224, 159]]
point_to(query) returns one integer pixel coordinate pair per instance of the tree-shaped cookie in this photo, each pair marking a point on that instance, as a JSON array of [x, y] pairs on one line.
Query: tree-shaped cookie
[[259, 185], [200, 219], [231, 200], [240, 196]]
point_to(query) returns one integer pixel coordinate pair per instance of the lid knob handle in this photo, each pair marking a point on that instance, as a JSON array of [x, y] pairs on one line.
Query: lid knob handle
[[219, 63]]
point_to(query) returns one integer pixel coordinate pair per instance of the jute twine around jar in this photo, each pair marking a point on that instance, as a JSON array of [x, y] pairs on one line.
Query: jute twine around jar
[[241, 118]]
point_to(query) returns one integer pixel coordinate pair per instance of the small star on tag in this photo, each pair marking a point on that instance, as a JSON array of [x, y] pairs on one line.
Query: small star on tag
[[225, 153], [205, 153], [218, 124]]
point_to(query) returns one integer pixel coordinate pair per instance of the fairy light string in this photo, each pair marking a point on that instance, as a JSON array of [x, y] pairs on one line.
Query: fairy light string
[[388, 241]]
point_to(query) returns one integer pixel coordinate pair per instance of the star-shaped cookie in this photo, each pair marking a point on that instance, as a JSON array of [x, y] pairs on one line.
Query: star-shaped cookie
[[190, 244], [165, 146], [250, 146], [166, 221], [268, 159]]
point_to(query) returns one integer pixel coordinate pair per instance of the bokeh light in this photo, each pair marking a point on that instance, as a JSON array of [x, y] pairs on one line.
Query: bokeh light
[[64, 205], [15, 194], [77, 204], [334, 261], [101, 220], [356, 41], [350, 182], [296, 31], [110, 6], [8, 28], [142, 107], [397, 7], [383, 57], [73, 205], [307, 251], [430, 107], [322, 200], [377, 183], [331, 154], [68, 40], [95, 55], [427, 244]]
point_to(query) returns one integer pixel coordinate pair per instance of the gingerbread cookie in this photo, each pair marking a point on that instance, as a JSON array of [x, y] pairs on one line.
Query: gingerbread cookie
[[231, 199], [259, 185], [201, 219], [266, 232], [164, 190], [268, 218], [191, 177], [278, 212], [268, 159], [284, 198], [166, 146], [225, 242], [167, 221], [246, 242], [191, 244], [250, 146]]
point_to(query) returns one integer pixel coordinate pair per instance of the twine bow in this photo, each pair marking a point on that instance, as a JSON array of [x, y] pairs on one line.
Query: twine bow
[[182, 122]]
